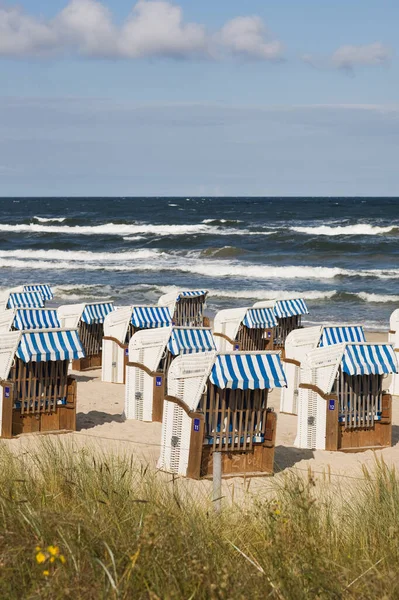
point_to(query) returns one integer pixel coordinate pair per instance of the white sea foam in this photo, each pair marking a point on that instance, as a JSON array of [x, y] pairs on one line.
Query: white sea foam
[[377, 298], [51, 220], [92, 291], [259, 294], [368, 325], [79, 287], [272, 294], [109, 229], [156, 260], [221, 220], [216, 270], [82, 255], [127, 229], [359, 229], [219, 269], [72, 266]]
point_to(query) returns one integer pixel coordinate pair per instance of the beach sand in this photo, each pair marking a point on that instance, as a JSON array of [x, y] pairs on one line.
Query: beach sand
[[100, 426]]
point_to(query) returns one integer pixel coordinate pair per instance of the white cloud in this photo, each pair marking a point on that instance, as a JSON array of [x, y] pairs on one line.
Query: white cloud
[[348, 57], [153, 28], [246, 36], [22, 35], [88, 25], [156, 28]]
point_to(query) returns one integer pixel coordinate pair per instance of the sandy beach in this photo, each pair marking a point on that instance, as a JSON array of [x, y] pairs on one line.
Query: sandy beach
[[100, 426]]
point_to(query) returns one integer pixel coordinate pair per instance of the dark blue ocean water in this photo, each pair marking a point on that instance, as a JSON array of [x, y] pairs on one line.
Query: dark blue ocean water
[[340, 254]]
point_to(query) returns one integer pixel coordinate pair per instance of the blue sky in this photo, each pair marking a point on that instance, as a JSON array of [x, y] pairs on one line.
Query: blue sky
[[272, 97]]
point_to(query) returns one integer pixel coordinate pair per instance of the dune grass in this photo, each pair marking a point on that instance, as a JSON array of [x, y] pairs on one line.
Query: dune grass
[[76, 524]]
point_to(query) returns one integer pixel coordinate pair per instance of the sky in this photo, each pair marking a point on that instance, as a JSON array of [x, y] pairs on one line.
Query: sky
[[154, 97]]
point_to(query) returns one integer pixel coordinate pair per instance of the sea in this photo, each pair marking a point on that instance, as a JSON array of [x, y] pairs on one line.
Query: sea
[[340, 254]]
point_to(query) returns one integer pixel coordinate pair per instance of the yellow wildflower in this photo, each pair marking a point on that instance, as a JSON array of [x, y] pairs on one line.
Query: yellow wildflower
[[62, 559], [53, 550], [277, 512], [46, 573], [38, 548], [40, 557], [52, 559]]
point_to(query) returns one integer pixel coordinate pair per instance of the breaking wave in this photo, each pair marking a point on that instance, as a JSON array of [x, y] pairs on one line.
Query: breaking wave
[[221, 221], [128, 229], [81, 255], [377, 298], [359, 229], [109, 229], [152, 260], [75, 292], [51, 220]]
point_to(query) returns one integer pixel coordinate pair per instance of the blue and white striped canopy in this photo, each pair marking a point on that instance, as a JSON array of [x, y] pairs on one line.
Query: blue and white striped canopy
[[191, 294], [96, 313], [50, 345], [290, 308], [149, 317], [44, 289], [337, 335], [187, 340], [25, 300], [369, 359], [248, 371], [26, 318], [259, 318]]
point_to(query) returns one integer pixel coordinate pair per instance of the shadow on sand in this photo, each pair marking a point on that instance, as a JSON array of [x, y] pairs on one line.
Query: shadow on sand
[[94, 418], [287, 456], [395, 434], [83, 378]]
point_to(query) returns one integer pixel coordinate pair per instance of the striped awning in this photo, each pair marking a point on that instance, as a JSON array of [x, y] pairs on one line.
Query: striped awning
[[148, 317], [25, 300], [191, 294], [44, 289], [259, 318], [50, 345], [290, 308], [369, 359], [337, 335], [191, 340], [96, 313], [248, 371], [26, 318]]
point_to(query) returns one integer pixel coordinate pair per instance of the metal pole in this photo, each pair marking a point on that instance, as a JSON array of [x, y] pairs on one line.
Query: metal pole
[[217, 481]]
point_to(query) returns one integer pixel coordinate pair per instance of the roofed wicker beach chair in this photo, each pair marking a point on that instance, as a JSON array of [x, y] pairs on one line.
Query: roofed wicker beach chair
[[289, 317], [17, 298], [26, 296], [342, 404], [186, 307], [151, 353], [88, 319], [246, 329], [219, 403], [297, 346], [36, 393], [23, 319], [119, 326]]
